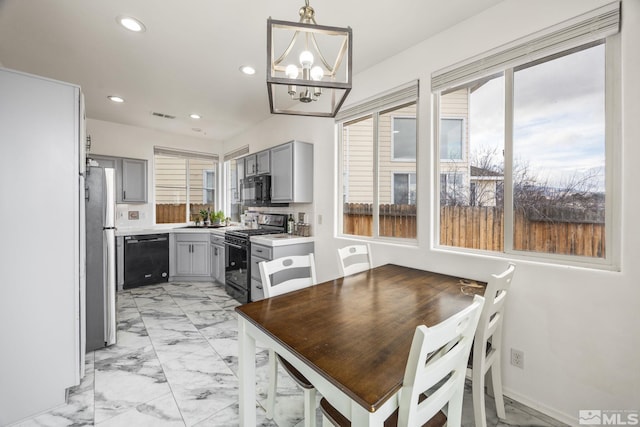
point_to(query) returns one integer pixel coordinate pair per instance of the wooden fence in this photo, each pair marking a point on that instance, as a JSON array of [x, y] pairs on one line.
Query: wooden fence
[[169, 213], [482, 228], [394, 220]]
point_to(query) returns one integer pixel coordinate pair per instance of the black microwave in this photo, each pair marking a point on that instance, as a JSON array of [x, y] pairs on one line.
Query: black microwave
[[256, 190]]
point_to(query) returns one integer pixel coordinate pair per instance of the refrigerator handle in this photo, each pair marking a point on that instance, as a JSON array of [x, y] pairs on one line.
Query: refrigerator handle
[[110, 287]]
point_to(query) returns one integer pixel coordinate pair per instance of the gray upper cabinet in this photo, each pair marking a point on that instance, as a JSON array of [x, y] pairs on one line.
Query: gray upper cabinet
[[257, 164], [250, 165], [131, 177], [292, 173], [263, 160], [134, 181]]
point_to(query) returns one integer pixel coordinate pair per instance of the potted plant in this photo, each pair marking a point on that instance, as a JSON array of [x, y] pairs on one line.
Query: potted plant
[[217, 217], [205, 216]]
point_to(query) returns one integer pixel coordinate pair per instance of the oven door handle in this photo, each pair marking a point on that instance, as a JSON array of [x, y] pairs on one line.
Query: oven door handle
[[233, 245]]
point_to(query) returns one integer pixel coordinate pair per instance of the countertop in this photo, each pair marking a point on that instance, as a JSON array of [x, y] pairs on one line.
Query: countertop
[[280, 239], [131, 231], [266, 240]]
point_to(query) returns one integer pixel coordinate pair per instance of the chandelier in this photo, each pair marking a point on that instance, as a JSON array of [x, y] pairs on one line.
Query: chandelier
[[309, 66]]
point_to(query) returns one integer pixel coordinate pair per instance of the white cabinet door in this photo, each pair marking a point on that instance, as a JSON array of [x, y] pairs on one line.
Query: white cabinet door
[[183, 258], [263, 160], [134, 181], [200, 263], [282, 173], [218, 263], [250, 168], [192, 259]]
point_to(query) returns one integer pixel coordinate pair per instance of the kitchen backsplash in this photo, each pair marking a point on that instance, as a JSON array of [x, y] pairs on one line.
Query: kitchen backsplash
[[140, 216], [134, 216]]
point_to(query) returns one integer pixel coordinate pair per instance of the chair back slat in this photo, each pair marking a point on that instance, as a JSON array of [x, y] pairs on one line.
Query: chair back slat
[[269, 268], [438, 359], [490, 324], [354, 259]]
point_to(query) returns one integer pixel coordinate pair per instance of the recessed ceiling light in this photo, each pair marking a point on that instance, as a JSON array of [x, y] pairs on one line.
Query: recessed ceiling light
[[117, 99], [131, 24], [195, 116], [246, 69]]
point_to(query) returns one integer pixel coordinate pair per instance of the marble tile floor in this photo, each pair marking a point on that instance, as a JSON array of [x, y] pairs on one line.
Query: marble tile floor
[[175, 364]]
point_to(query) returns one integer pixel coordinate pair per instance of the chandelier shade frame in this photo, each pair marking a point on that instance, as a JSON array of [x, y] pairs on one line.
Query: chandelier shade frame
[[303, 92]]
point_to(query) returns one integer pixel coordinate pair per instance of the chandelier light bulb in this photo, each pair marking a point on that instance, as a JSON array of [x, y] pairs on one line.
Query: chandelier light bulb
[[291, 71], [317, 73], [306, 59]]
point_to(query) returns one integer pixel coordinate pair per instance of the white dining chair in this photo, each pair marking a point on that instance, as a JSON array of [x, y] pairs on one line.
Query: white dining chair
[[487, 346], [434, 376], [352, 259], [267, 269]]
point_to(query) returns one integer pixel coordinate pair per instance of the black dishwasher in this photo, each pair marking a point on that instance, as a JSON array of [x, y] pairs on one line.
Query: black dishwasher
[[146, 260]]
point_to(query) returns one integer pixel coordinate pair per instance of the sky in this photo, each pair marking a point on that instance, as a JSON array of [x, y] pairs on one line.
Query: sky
[[558, 117]]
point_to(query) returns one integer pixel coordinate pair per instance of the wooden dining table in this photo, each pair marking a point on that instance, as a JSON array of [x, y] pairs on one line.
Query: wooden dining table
[[349, 336]]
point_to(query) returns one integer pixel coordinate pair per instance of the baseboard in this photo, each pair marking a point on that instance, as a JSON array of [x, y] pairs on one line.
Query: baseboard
[[553, 413]]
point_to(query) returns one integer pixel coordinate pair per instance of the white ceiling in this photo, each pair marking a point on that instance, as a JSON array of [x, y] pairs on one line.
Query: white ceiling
[[189, 57]]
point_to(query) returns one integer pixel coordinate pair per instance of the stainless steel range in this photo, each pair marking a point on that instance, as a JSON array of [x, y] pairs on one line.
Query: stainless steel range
[[238, 254]]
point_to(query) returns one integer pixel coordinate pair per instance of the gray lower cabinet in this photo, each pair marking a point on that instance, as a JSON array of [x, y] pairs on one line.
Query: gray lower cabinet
[[191, 258], [266, 253], [217, 258]]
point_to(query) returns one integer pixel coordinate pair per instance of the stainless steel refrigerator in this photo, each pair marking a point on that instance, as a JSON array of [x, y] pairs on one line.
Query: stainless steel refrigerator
[[101, 257]]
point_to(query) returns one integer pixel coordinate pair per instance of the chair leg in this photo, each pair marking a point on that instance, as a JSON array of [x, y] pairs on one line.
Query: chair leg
[[454, 409], [477, 386], [488, 382], [325, 421], [309, 407], [273, 384], [496, 381]]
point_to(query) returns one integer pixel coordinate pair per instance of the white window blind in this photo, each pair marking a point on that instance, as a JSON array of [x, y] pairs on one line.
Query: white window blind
[[395, 97], [236, 153], [184, 154], [581, 30]]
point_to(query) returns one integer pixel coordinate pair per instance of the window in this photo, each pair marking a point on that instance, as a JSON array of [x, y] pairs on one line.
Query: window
[[404, 188], [404, 138], [208, 186], [185, 184], [233, 173], [451, 138], [378, 142], [537, 172], [452, 190]]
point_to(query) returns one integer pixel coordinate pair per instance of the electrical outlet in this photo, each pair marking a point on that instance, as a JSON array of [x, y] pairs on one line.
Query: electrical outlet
[[517, 358]]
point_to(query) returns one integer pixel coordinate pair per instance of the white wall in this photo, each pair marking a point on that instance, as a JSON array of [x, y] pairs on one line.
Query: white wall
[[579, 328], [114, 139]]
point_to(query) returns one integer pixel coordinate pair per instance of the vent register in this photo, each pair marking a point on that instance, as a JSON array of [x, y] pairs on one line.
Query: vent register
[[164, 116]]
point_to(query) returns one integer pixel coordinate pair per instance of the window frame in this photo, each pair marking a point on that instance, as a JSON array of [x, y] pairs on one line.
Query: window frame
[[187, 156], [415, 181], [393, 139], [613, 161], [205, 188], [463, 142], [226, 184], [375, 106]]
